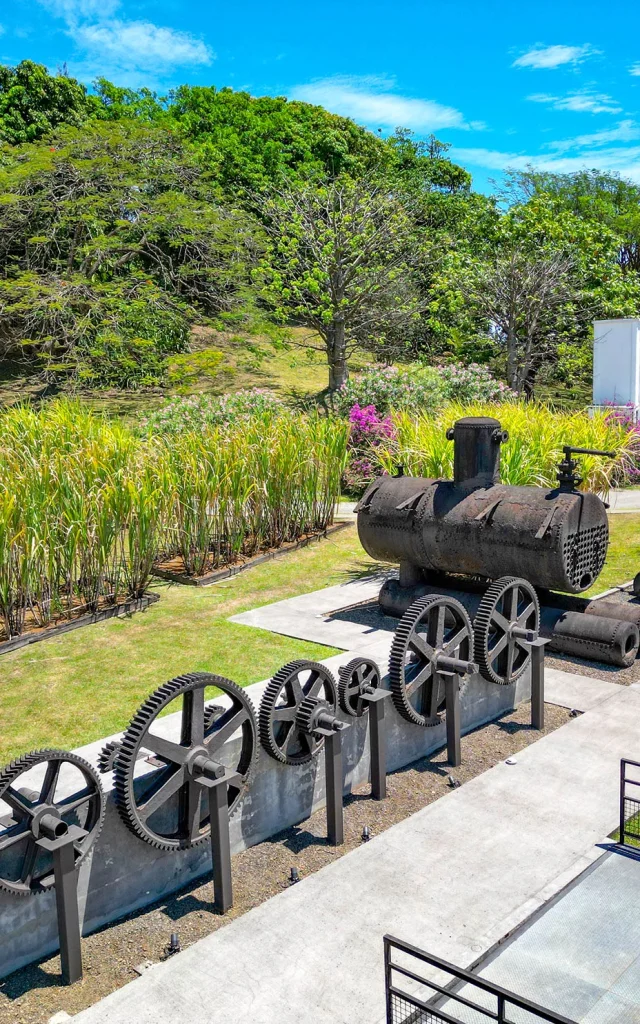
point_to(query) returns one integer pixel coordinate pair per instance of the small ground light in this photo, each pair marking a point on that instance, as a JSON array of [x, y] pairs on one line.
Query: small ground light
[[454, 783], [174, 944], [366, 834], [294, 876]]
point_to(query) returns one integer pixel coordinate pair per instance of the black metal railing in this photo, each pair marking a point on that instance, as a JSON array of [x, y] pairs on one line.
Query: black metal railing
[[629, 804], [445, 999]]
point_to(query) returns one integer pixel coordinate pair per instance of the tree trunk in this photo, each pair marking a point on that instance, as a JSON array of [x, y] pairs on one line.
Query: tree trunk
[[336, 354]]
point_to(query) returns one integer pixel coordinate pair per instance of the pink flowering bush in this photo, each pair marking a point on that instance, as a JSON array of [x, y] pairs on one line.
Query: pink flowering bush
[[624, 415], [368, 430]]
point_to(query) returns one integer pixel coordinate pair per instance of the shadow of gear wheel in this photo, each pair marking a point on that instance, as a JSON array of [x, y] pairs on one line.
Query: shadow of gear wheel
[[432, 625], [509, 601], [280, 735], [354, 679], [85, 808], [231, 738]]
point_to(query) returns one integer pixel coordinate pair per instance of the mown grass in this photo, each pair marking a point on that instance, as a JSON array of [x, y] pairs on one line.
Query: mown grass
[[83, 685], [623, 556]]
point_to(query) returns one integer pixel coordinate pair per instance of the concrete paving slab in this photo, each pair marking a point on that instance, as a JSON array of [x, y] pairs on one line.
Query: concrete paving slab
[[308, 617], [446, 879], [627, 500], [570, 690]]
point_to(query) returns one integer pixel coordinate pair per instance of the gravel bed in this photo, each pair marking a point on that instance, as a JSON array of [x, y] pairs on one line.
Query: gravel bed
[[33, 994]]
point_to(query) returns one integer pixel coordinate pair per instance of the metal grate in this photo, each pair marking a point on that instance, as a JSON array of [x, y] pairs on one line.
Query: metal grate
[[629, 804], [456, 992], [405, 1012]]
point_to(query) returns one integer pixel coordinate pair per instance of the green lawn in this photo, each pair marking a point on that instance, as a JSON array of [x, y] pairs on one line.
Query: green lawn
[[84, 685], [623, 557]]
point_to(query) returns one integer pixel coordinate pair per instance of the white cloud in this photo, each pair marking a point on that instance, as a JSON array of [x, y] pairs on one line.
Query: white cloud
[[625, 160], [145, 43], [119, 47], [634, 69], [625, 131], [370, 100], [585, 102], [2, 30], [553, 56]]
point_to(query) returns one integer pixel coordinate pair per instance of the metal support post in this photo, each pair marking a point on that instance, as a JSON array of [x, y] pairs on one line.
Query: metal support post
[[452, 707], [220, 842], [66, 885], [334, 787], [377, 742], [537, 682]]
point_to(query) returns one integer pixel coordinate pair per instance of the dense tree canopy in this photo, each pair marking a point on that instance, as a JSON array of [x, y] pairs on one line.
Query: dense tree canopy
[[126, 216]]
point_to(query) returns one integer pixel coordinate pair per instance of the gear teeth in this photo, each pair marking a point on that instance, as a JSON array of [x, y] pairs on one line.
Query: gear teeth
[[307, 712], [270, 698], [411, 618], [482, 623], [108, 756], [145, 715], [22, 764]]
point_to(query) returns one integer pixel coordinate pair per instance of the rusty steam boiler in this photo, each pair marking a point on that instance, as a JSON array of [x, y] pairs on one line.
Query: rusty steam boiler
[[458, 536]]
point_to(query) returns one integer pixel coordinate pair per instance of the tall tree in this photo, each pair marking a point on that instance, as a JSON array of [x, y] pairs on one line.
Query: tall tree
[[33, 102], [340, 262]]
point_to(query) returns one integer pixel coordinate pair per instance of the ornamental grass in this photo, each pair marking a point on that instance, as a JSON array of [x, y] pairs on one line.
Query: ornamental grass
[[87, 506], [530, 457]]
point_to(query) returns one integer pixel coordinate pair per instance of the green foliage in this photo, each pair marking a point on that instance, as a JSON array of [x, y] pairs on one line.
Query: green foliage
[[531, 455], [419, 387], [33, 102], [251, 142], [86, 506], [200, 412], [112, 241]]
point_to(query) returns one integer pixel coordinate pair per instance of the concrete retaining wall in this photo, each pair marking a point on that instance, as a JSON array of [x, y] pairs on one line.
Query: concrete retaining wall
[[122, 873]]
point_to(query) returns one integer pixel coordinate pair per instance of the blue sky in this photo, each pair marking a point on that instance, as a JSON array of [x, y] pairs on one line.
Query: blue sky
[[553, 84]]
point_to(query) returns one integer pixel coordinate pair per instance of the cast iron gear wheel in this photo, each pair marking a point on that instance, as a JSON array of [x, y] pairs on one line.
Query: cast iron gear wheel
[[508, 602], [433, 625], [354, 681], [107, 756], [229, 738], [280, 734], [308, 712], [24, 867]]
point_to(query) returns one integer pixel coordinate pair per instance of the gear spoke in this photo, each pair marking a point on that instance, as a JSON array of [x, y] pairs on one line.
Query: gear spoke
[[51, 777], [525, 615], [73, 802], [453, 644], [159, 794], [285, 714], [421, 646], [18, 803], [499, 647], [11, 838], [193, 717], [414, 684], [225, 728], [170, 751]]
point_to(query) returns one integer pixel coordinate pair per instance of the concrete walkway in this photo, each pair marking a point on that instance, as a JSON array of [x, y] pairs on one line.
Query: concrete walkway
[[455, 878], [624, 500]]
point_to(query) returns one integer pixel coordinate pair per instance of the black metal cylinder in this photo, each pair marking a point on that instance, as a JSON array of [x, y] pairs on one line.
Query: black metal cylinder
[[475, 526], [594, 637], [476, 453]]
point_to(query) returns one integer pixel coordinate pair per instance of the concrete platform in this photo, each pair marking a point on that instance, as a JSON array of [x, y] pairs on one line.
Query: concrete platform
[[581, 956], [454, 878]]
